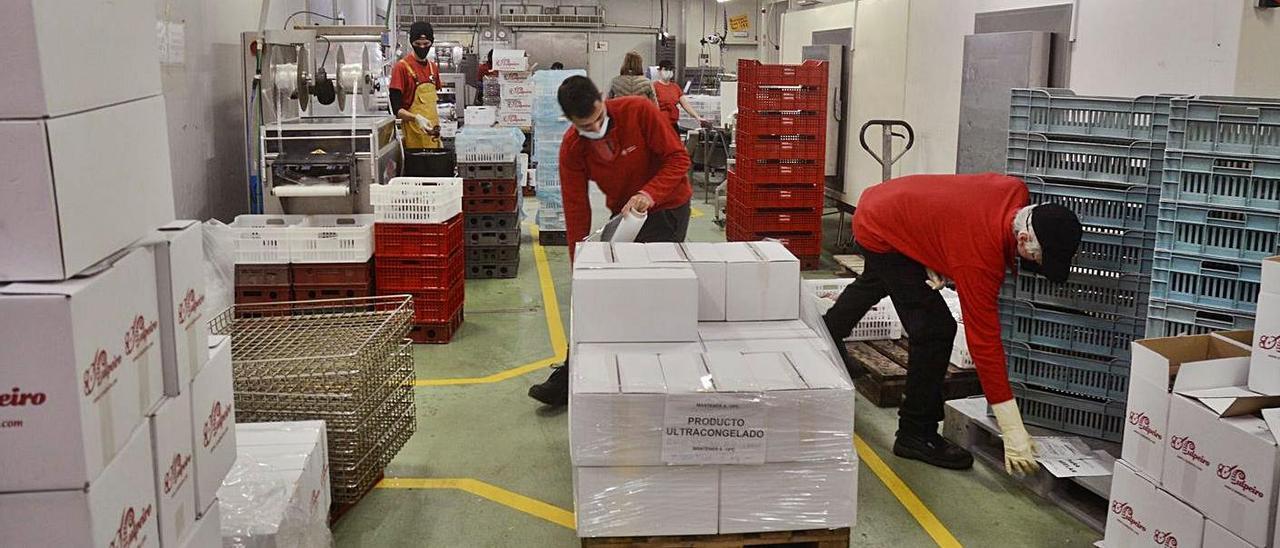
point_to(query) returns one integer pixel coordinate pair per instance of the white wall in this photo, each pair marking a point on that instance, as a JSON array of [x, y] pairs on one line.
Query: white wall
[[696, 27], [798, 27], [1256, 74]]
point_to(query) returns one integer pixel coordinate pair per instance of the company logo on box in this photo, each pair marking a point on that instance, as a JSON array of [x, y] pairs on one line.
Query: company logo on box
[[1143, 424], [1165, 538], [100, 375], [1125, 513], [138, 338], [215, 427], [1236, 478], [131, 524], [177, 474], [1186, 447], [189, 308], [1269, 342], [17, 398]]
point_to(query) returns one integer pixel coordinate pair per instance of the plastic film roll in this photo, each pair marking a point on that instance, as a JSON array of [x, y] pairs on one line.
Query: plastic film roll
[[629, 225]]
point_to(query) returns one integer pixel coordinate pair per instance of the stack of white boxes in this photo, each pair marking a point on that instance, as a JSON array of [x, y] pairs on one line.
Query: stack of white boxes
[[278, 493], [102, 327], [515, 108], [700, 402], [1200, 464]]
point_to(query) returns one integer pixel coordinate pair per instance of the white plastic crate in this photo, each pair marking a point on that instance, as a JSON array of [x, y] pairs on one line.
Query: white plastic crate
[[417, 200], [880, 323], [487, 157], [332, 239], [263, 239]]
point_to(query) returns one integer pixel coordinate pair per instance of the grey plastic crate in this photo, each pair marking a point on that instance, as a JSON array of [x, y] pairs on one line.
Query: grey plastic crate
[[488, 271], [1204, 282], [1086, 289], [1218, 232], [1130, 207], [496, 237], [493, 171], [1226, 125], [1054, 111], [1114, 250], [1038, 155], [1063, 372], [1166, 319], [1199, 178], [485, 222], [1085, 417], [493, 254], [1085, 334]]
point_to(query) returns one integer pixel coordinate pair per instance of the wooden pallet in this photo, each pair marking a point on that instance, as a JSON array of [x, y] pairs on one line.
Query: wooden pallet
[[812, 538], [966, 424], [886, 378], [553, 237]]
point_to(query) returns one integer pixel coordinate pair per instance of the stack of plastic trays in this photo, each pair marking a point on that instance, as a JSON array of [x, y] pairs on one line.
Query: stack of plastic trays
[[776, 189], [549, 127], [1068, 344]]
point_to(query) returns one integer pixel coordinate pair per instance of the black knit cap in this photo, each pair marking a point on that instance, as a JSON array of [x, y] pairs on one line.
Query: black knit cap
[[1058, 231], [420, 29]]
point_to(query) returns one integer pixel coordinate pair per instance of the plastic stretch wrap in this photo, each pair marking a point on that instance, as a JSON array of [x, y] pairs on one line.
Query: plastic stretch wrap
[[631, 501], [788, 496], [490, 140], [264, 507], [219, 265]]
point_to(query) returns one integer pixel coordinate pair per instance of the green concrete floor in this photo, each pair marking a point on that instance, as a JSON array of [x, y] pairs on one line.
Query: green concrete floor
[[492, 432]]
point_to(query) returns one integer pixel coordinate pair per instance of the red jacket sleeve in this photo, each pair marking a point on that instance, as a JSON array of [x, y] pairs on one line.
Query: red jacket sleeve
[[664, 143], [573, 190], [979, 301]]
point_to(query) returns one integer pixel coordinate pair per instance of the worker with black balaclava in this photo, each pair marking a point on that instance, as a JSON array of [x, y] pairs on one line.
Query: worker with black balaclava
[[415, 80]]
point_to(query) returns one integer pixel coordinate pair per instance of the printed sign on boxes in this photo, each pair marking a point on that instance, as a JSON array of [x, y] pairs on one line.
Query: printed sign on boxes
[[116, 509], [81, 370], [1183, 363], [175, 480], [184, 328], [1264, 372], [213, 420], [1142, 514]]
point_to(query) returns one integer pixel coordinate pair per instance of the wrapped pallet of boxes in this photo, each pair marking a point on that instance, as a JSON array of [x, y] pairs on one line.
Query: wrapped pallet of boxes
[[277, 494]]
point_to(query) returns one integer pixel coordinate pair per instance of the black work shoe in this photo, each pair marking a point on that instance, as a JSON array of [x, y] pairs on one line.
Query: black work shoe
[[934, 450], [555, 390]]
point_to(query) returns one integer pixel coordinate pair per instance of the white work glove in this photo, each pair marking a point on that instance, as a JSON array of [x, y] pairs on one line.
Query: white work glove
[[1019, 450], [423, 123], [935, 281]]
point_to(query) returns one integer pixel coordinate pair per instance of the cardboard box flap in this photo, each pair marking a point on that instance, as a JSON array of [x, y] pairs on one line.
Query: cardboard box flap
[[595, 374], [665, 252], [592, 253], [686, 373], [773, 371], [702, 252], [1173, 353], [730, 373], [773, 252], [73, 285], [630, 253], [737, 252], [1272, 417], [817, 369], [1232, 401], [640, 374], [177, 226], [1271, 274]]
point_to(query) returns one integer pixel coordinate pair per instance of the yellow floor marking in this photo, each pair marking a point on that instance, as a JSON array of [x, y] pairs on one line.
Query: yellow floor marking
[[694, 212], [909, 500], [555, 329], [531, 506]]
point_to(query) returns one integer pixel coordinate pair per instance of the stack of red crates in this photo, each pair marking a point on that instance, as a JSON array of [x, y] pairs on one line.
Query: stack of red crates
[[425, 260], [776, 189], [263, 283], [320, 281]]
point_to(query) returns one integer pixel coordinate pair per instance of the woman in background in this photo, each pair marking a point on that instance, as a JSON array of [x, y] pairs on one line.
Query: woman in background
[[670, 96], [631, 80]]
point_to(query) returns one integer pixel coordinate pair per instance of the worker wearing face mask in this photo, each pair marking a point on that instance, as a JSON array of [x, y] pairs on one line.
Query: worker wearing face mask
[[919, 229], [627, 147], [670, 96], [414, 83]]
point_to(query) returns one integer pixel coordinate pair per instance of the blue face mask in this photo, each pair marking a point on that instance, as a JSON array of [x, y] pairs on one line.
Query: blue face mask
[[596, 135]]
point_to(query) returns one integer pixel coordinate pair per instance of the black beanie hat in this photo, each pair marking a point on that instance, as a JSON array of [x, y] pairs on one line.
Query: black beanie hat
[[420, 29]]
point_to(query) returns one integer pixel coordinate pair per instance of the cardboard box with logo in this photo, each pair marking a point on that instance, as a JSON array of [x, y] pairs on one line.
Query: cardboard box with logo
[[1165, 365], [1217, 536], [213, 421], [179, 255], [1142, 514], [77, 191], [1264, 372], [81, 371], [207, 531], [175, 475], [117, 509]]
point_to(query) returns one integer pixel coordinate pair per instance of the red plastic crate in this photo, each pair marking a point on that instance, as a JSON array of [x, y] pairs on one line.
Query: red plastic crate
[[418, 240], [757, 97], [776, 170], [775, 220], [489, 205], [322, 292], [407, 274], [798, 243], [253, 294], [754, 73], [779, 195], [344, 274], [792, 147], [475, 188], [436, 333], [781, 123], [249, 275], [436, 305]]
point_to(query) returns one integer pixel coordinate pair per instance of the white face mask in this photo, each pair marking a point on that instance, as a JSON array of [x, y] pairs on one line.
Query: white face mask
[[596, 135], [666, 74]]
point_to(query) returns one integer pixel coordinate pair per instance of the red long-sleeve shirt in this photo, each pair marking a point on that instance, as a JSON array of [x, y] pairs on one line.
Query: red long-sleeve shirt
[[639, 153], [961, 226]]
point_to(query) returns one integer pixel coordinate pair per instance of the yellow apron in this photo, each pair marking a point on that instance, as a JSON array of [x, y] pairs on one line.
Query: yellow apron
[[424, 103]]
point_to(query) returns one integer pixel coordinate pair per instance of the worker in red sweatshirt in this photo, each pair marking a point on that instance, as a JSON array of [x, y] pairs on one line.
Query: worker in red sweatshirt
[[916, 231], [628, 147]]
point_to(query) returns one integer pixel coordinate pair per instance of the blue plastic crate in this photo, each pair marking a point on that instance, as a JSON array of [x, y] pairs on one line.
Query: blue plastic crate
[[1086, 289], [1226, 125], [1166, 319], [1224, 285], [1107, 380], [1209, 180], [1132, 207], [1114, 250], [1085, 417], [1085, 334], [1223, 233], [1033, 154], [1061, 112]]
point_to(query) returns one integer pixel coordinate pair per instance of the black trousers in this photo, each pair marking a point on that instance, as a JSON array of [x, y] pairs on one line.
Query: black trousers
[[925, 317]]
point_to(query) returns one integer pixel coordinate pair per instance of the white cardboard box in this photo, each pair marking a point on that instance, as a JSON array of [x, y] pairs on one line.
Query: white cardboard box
[[514, 118], [788, 496], [605, 308], [117, 509], [184, 329], [1142, 514], [480, 116], [213, 420], [710, 268], [648, 500], [1171, 363], [517, 104], [519, 90], [1264, 372], [45, 72], [1222, 459], [306, 438], [763, 281], [174, 479], [267, 505], [78, 190], [207, 532], [81, 368], [510, 60], [1217, 536]]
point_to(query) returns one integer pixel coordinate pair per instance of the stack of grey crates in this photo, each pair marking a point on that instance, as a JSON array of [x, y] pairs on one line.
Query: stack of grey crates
[[1219, 214], [1068, 344]]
